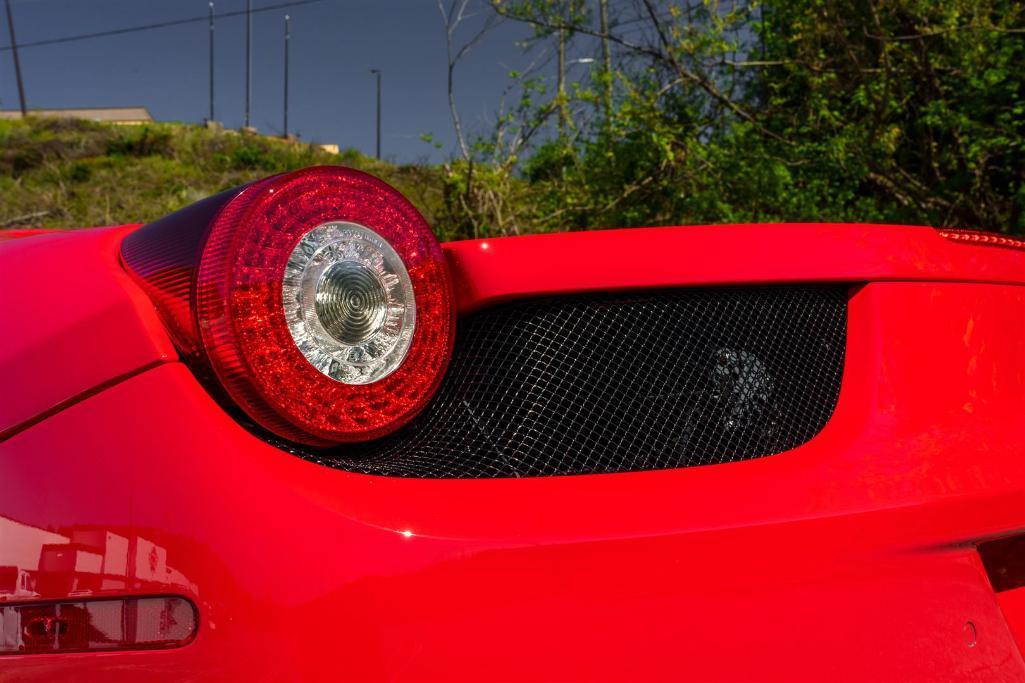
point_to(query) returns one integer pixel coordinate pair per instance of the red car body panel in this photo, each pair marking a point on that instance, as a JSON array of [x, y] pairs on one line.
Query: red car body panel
[[72, 320], [852, 557], [490, 271], [19, 233]]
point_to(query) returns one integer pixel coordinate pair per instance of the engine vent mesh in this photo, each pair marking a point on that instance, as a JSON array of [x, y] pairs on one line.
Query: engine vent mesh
[[623, 382]]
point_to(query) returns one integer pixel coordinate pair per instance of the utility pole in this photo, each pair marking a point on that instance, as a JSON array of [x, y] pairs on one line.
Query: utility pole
[[211, 118], [606, 56], [286, 76], [17, 64], [377, 72], [249, 60]]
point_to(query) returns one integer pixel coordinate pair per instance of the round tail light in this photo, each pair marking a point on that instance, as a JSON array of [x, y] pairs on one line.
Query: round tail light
[[320, 299]]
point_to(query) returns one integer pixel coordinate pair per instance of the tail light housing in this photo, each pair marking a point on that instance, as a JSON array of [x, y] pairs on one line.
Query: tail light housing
[[319, 300]]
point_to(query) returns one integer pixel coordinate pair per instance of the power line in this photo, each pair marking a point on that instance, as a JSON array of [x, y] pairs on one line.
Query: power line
[[148, 27]]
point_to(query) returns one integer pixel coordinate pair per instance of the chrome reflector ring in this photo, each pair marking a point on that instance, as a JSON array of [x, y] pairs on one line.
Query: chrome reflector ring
[[349, 303]]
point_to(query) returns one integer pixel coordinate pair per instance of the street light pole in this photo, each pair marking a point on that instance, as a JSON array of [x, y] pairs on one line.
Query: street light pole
[[377, 72], [211, 62], [249, 60], [17, 63], [286, 76]]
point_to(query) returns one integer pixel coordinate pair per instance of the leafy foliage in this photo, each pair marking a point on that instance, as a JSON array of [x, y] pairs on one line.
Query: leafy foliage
[[905, 111]]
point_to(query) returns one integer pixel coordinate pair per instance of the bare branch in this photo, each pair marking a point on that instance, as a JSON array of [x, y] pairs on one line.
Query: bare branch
[[453, 17], [664, 56]]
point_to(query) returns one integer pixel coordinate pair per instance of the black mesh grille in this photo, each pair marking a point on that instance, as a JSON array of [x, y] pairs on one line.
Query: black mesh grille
[[621, 382]]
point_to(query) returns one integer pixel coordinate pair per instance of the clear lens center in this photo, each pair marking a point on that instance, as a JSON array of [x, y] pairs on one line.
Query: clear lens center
[[351, 302], [348, 301]]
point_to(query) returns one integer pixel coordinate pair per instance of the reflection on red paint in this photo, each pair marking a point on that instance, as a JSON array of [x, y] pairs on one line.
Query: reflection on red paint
[[81, 561], [96, 625]]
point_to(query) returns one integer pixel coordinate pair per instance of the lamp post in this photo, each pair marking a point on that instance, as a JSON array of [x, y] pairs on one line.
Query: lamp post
[[286, 76], [377, 72], [249, 60], [211, 118]]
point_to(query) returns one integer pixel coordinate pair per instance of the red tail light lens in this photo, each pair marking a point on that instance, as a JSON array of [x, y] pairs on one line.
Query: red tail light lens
[[989, 239], [320, 299]]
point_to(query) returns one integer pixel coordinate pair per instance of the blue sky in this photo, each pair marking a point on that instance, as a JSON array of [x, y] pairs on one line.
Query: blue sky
[[334, 44]]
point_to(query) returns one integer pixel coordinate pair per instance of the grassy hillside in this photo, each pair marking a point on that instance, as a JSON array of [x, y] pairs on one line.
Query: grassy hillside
[[68, 173]]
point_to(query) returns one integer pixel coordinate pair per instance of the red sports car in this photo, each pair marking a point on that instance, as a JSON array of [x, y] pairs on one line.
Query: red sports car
[[284, 434]]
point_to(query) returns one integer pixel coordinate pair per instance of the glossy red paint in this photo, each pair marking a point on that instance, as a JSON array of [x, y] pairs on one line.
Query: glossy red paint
[[72, 321], [849, 558], [494, 270], [19, 233]]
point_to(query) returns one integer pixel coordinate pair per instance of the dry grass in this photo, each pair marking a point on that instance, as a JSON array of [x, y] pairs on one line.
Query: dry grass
[[69, 173]]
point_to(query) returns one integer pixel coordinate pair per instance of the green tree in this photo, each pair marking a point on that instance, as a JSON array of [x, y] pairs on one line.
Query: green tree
[[909, 111]]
